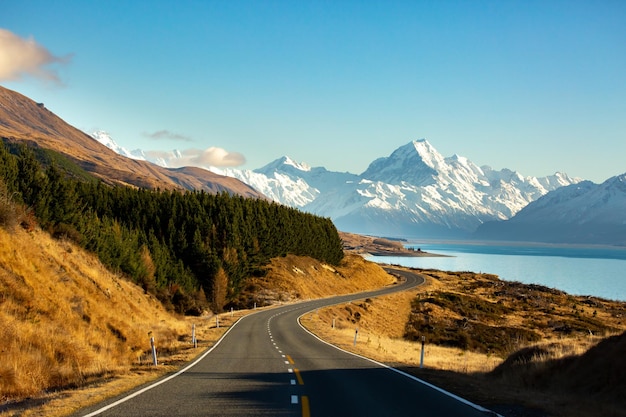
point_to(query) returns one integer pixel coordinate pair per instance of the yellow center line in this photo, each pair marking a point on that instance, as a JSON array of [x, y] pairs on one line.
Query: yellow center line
[[298, 376], [306, 412]]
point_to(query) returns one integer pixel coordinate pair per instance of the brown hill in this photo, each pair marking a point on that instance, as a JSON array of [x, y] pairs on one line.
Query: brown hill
[[73, 333], [23, 120]]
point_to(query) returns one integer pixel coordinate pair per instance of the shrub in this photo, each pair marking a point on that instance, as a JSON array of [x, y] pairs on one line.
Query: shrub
[[9, 217]]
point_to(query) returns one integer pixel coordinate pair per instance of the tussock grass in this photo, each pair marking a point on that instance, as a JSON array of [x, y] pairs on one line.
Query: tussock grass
[[72, 333], [573, 368], [293, 278], [66, 321]]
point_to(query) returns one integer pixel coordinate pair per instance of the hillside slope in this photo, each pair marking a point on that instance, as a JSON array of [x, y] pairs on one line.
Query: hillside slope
[[69, 326], [66, 320], [23, 120]]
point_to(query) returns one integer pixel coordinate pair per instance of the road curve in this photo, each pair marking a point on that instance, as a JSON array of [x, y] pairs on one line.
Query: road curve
[[268, 365]]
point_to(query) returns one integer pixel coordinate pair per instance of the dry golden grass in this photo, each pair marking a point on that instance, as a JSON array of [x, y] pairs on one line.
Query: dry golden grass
[[65, 320], [73, 333], [293, 278], [381, 324], [528, 380], [59, 403], [68, 323]]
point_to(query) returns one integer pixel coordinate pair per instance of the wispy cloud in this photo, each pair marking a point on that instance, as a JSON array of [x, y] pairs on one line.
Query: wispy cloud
[[210, 157], [19, 57], [166, 134]]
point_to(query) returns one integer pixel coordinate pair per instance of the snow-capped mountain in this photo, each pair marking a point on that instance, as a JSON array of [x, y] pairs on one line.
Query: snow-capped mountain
[[291, 183], [413, 192], [579, 213], [106, 139], [417, 192]]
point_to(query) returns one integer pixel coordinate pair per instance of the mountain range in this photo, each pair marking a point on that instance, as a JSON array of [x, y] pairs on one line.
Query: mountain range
[[413, 192], [579, 213], [416, 192]]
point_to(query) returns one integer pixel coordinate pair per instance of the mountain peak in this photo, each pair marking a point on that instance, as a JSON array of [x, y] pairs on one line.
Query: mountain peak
[[417, 162], [284, 162], [298, 165], [428, 154], [105, 138]]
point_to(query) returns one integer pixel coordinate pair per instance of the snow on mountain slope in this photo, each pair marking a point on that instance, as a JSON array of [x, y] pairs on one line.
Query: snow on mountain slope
[[105, 139], [291, 183], [579, 213], [414, 191], [581, 203]]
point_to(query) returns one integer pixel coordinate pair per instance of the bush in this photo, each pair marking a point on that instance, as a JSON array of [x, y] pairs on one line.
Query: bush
[[9, 217]]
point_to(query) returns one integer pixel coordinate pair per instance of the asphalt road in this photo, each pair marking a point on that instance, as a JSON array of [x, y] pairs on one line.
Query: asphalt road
[[268, 365]]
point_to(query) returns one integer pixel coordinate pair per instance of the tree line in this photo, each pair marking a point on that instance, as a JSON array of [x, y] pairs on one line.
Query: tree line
[[189, 248]]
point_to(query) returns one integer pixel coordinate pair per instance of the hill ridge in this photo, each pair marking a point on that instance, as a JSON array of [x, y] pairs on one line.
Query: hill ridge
[[25, 121]]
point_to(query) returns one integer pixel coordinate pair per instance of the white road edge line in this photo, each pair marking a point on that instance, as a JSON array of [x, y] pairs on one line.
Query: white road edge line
[[441, 390], [156, 384]]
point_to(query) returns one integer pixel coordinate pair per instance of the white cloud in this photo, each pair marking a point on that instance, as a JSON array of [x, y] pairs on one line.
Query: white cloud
[[166, 134], [19, 57], [210, 157]]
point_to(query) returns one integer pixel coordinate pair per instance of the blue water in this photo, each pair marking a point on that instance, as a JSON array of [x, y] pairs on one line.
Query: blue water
[[596, 271]]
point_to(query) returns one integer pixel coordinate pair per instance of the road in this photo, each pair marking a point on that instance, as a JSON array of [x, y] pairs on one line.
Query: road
[[268, 365]]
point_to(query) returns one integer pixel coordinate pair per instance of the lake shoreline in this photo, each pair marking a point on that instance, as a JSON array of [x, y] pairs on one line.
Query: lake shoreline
[[377, 246]]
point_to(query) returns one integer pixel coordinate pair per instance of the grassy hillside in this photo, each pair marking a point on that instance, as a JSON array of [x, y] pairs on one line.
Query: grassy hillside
[[66, 320], [191, 250], [72, 332]]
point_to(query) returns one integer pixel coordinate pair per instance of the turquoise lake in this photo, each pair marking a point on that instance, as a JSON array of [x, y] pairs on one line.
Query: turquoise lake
[[578, 270]]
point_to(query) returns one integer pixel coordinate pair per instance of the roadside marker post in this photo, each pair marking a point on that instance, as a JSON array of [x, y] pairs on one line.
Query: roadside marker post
[[422, 354], [193, 336], [154, 355], [217, 322], [356, 332]]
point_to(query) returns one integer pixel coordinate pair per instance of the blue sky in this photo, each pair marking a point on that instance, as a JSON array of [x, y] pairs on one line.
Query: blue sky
[[534, 86]]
